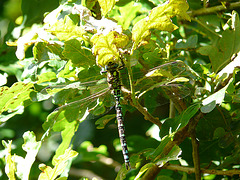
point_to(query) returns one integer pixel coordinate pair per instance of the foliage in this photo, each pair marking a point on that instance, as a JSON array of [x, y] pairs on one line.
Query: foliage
[[177, 51]]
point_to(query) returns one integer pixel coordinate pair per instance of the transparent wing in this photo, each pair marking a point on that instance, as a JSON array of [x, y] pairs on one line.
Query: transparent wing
[[76, 100], [161, 83]]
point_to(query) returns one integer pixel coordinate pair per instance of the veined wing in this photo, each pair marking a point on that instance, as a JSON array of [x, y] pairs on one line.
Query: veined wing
[[167, 80], [76, 99]]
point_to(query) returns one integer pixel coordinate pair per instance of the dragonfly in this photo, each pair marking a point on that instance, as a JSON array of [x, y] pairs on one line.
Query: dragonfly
[[78, 99]]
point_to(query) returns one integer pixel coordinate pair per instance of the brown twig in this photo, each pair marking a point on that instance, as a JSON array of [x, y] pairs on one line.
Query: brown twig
[[191, 170], [211, 10], [146, 114], [195, 154], [179, 137]]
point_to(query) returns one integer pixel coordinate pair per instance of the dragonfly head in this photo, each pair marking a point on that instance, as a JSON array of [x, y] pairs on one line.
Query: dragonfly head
[[111, 66]]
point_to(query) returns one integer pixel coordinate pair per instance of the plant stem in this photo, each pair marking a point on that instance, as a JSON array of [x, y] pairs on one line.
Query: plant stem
[[130, 75], [179, 137], [190, 170], [211, 10], [195, 154]]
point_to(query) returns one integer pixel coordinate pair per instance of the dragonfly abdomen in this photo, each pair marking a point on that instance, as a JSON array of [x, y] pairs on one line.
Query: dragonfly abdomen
[[115, 87]]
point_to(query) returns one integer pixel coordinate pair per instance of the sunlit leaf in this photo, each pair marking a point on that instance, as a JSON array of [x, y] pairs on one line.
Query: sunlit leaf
[[67, 132], [46, 77], [106, 47], [106, 5], [18, 110], [216, 98], [159, 18], [13, 97], [127, 14], [65, 29], [49, 173], [10, 167], [31, 146]]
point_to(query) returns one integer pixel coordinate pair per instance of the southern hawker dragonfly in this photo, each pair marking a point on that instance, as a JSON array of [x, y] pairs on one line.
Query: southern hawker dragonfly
[[77, 99]]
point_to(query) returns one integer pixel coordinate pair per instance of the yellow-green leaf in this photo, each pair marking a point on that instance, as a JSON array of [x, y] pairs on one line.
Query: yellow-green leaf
[[159, 18], [106, 47], [10, 167], [106, 5], [65, 29], [49, 173], [46, 77], [11, 98]]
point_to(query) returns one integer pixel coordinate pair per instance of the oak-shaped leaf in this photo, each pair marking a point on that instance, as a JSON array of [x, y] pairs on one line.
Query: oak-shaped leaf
[[106, 47], [159, 18]]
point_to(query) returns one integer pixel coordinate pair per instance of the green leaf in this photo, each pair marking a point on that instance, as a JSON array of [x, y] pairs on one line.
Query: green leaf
[[208, 107], [191, 42], [68, 130], [69, 71], [106, 47], [144, 169], [31, 146], [187, 114], [46, 77], [78, 54], [158, 151], [216, 98], [159, 18], [13, 97], [219, 132], [106, 5], [91, 153], [61, 162], [4, 118], [101, 122], [127, 13], [10, 167], [66, 28], [44, 51], [220, 53]]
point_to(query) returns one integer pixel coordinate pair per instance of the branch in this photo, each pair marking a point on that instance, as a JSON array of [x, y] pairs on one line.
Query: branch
[[214, 9], [190, 170], [141, 109], [195, 154], [179, 137]]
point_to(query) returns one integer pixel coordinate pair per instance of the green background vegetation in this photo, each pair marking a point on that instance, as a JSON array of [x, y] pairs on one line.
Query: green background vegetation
[[201, 131]]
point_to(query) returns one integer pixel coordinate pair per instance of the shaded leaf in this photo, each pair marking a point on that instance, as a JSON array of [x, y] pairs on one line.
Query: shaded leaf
[[101, 122], [187, 114], [220, 53], [191, 42], [78, 54], [44, 51]]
